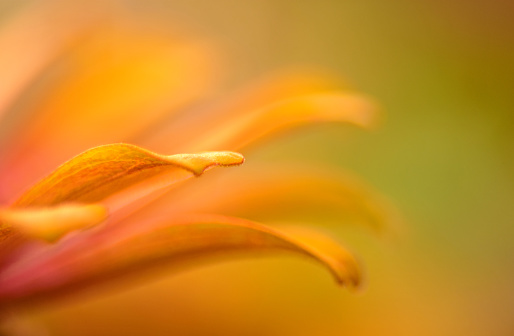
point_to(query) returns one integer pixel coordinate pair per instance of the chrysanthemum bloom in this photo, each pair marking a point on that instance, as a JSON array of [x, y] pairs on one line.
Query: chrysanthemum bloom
[[118, 209]]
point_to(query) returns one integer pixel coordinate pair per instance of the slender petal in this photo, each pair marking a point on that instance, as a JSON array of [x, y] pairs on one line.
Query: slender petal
[[176, 241], [285, 192], [246, 128], [103, 171], [269, 90]]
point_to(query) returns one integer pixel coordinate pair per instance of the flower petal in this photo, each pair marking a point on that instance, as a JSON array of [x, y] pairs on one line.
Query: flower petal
[[177, 242], [282, 192], [50, 224], [274, 88], [244, 129], [128, 72], [34, 38], [104, 171]]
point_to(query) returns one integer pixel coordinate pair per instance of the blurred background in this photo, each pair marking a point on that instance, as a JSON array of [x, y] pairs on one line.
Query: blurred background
[[443, 154]]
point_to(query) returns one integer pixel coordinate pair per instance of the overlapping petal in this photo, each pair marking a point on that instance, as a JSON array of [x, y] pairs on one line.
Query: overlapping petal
[[128, 73], [283, 192], [116, 83], [175, 242]]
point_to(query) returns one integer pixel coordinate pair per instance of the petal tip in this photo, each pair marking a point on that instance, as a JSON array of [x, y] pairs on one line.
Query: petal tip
[[348, 276], [216, 159]]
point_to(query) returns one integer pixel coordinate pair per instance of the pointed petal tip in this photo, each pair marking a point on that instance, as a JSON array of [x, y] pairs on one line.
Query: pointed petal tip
[[348, 275], [345, 269], [341, 263]]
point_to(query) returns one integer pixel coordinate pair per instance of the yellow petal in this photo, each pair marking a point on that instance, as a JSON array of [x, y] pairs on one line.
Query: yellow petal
[[177, 242], [269, 90], [291, 193], [104, 171], [246, 128], [50, 224], [190, 236], [129, 76], [124, 78]]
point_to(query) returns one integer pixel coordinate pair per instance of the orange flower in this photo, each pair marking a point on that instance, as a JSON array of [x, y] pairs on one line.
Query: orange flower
[[117, 209]]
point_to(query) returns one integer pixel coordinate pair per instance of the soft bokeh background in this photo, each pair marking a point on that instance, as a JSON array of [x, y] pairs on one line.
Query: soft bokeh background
[[443, 72]]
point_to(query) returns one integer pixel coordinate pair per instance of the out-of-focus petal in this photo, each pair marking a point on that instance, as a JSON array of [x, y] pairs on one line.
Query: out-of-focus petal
[[282, 192], [10, 240], [52, 223], [122, 79], [103, 171], [270, 90], [177, 241], [35, 37], [246, 128]]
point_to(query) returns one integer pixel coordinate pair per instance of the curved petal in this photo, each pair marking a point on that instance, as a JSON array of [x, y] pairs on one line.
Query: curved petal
[[244, 129], [282, 192], [177, 241], [103, 171], [50, 224], [269, 90], [124, 78]]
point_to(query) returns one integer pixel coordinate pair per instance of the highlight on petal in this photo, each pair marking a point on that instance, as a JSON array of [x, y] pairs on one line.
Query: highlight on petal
[[175, 242], [52, 223], [246, 128], [104, 171]]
